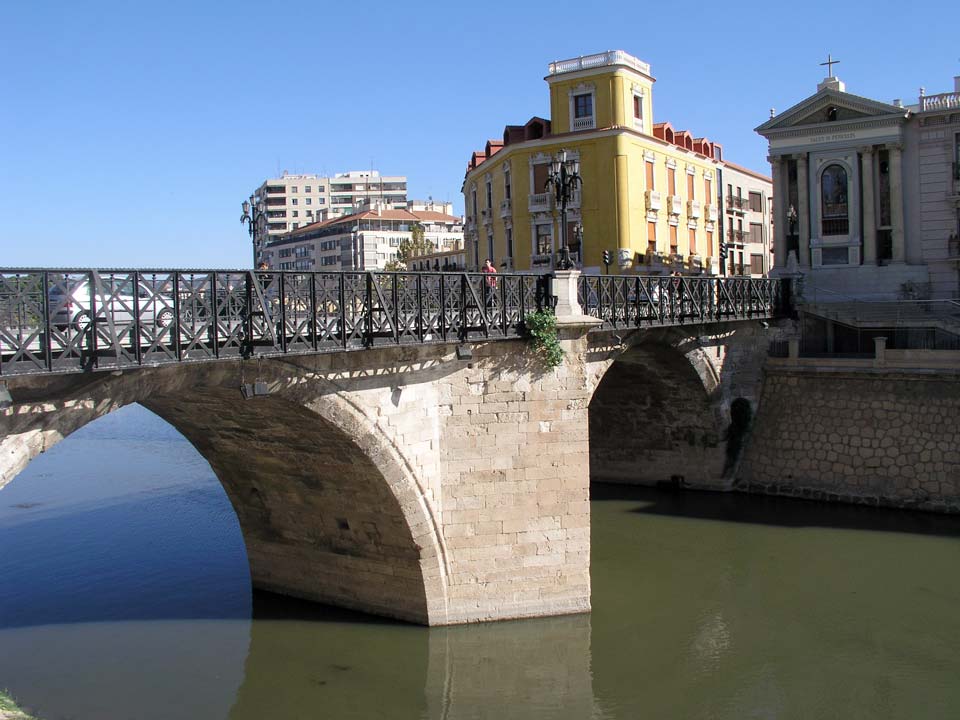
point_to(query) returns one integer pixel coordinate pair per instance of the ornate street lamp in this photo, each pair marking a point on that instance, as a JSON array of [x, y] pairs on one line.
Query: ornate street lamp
[[563, 181], [255, 216]]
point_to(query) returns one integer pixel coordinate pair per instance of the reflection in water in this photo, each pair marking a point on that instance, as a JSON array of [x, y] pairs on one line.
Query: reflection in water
[[529, 669], [130, 598], [304, 657], [308, 661]]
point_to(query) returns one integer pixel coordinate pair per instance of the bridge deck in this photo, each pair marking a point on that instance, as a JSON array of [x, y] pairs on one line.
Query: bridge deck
[[76, 320]]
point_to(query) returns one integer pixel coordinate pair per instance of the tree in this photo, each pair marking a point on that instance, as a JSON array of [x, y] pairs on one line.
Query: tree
[[417, 244]]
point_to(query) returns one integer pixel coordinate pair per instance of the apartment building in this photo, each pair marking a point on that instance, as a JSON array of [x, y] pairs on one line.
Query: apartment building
[[649, 192], [364, 240], [293, 201], [746, 208]]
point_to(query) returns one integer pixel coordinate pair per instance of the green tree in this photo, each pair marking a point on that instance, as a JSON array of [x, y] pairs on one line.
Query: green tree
[[417, 244]]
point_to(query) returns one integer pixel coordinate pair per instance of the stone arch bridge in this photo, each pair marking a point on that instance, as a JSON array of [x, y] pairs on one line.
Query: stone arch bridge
[[388, 443]]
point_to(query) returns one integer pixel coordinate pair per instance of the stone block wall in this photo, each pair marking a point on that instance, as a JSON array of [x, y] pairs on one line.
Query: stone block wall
[[879, 437]]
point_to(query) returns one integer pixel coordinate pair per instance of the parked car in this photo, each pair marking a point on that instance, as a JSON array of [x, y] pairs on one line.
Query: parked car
[[70, 304]]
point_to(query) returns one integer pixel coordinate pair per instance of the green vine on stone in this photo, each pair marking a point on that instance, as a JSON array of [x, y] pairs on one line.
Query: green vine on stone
[[540, 329]]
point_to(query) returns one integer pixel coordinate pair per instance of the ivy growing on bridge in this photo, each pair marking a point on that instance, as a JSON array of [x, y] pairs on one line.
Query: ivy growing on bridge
[[540, 329]]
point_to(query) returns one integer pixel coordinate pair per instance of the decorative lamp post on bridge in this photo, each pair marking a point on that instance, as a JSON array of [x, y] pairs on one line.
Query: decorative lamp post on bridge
[[563, 180], [255, 216]]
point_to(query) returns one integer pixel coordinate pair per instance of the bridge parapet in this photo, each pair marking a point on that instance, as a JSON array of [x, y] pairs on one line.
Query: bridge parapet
[[623, 301], [76, 320], [73, 320]]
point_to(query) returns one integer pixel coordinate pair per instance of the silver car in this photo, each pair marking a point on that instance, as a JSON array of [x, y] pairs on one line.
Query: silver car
[[71, 303]]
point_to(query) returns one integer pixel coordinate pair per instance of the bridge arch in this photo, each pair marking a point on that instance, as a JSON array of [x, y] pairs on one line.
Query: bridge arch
[[658, 415], [330, 511]]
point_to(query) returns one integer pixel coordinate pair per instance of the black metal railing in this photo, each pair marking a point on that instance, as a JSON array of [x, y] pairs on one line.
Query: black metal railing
[[638, 301], [83, 319]]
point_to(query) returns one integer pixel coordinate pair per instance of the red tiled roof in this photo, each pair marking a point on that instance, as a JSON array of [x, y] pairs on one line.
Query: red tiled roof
[[434, 216], [388, 214]]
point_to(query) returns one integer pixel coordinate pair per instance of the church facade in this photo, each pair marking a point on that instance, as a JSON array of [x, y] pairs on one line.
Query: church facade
[[867, 194]]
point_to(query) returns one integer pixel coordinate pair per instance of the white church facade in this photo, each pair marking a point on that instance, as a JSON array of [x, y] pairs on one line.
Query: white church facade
[[867, 194]]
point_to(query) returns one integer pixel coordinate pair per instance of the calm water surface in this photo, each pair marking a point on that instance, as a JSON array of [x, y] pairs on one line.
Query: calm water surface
[[124, 593]]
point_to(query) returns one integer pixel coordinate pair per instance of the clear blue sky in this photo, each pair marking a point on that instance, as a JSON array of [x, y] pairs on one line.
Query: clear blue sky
[[131, 131]]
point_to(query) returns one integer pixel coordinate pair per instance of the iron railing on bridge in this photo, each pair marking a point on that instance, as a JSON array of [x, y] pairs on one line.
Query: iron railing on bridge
[[71, 320], [623, 301]]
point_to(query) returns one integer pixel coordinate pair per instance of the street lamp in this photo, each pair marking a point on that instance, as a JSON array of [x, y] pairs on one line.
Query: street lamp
[[255, 216], [563, 180]]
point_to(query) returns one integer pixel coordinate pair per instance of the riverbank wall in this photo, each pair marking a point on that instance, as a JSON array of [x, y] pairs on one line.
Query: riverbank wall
[[872, 435]]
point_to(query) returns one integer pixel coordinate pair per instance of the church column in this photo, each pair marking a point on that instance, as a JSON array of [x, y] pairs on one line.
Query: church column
[[869, 211], [779, 213], [896, 202], [803, 212]]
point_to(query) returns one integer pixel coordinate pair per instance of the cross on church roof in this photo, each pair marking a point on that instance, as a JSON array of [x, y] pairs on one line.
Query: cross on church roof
[[830, 63]]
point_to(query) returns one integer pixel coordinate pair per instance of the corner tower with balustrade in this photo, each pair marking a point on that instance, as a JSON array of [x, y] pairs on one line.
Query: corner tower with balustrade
[[649, 193]]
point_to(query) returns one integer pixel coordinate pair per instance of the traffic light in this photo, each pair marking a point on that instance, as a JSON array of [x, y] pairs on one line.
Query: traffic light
[[723, 250], [607, 258]]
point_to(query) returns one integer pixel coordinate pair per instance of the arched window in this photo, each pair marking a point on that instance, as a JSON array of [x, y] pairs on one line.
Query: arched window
[[835, 215]]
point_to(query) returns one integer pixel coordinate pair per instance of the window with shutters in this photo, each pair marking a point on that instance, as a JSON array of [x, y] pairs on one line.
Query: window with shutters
[[649, 167]]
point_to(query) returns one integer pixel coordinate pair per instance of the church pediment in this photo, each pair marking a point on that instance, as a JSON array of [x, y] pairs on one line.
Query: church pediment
[[830, 106], [829, 112]]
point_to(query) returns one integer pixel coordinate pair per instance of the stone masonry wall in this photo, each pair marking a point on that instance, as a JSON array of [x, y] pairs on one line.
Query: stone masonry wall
[[883, 438]]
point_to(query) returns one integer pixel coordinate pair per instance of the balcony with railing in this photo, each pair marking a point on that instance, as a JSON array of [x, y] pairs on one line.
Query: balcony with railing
[[943, 101], [539, 202], [505, 208], [693, 208], [738, 204], [573, 202], [654, 200], [711, 213], [674, 204], [486, 216], [588, 62], [584, 123], [735, 236], [541, 261]]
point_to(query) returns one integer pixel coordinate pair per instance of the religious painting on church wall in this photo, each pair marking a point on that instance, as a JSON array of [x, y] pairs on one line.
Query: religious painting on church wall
[[835, 209]]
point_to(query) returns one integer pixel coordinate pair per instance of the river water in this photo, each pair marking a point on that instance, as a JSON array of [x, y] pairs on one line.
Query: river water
[[124, 593]]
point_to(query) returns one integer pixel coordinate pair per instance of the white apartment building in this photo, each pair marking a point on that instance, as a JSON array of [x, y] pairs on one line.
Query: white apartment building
[[293, 201], [364, 240], [745, 202]]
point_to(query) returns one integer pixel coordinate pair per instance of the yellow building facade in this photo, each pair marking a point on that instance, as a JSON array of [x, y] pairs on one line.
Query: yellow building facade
[[648, 192]]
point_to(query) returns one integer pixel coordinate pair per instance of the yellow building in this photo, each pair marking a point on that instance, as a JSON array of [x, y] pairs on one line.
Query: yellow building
[[648, 192]]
